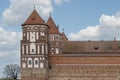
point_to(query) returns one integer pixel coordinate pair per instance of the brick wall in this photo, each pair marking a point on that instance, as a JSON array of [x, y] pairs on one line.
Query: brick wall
[[84, 68], [33, 74], [85, 60], [84, 72]]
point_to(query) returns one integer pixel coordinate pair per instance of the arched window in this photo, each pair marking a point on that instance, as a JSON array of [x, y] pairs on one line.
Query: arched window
[[29, 62], [36, 63], [41, 65], [32, 36], [32, 48]]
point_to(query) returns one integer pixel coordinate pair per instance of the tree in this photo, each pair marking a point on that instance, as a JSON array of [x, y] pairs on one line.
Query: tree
[[11, 71]]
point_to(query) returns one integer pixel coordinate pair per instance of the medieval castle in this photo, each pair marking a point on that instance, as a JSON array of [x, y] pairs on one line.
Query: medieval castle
[[47, 54]]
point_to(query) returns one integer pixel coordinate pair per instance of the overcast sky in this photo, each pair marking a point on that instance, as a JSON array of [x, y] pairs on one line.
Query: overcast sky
[[80, 19]]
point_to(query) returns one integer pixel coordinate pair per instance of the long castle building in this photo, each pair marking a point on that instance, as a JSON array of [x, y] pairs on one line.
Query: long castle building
[[47, 54]]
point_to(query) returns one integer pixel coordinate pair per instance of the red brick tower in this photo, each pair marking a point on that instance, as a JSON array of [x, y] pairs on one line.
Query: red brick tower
[[34, 48]]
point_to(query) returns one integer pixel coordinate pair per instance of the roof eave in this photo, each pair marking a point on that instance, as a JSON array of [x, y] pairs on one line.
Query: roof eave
[[35, 24]]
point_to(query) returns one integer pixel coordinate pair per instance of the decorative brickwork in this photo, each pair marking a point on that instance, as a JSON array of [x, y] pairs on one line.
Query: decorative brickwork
[[34, 74], [85, 59], [47, 54]]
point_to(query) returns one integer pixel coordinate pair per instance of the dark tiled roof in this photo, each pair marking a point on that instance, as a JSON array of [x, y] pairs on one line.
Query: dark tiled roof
[[53, 27], [91, 46], [81, 59]]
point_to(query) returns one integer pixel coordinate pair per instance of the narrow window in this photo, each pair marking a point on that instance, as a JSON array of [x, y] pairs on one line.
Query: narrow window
[[30, 62], [22, 49], [37, 35], [46, 49], [57, 50], [32, 36], [26, 49], [42, 49], [36, 62], [56, 38], [38, 49], [32, 50], [27, 35]]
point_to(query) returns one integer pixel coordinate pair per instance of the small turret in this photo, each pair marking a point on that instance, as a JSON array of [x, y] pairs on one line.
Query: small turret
[[55, 37]]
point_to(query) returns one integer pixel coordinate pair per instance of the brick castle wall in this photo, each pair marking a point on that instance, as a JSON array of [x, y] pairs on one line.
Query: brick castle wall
[[84, 72], [34, 74]]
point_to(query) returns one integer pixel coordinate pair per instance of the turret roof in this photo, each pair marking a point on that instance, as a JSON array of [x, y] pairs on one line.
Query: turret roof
[[53, 28], [34, 19]]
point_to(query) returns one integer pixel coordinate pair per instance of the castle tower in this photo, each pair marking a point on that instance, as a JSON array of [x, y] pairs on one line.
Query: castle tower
[[55, 37], [34, 48]]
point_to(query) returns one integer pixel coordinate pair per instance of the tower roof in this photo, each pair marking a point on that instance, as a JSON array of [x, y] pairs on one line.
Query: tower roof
[[53, 28], [34, 19]]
